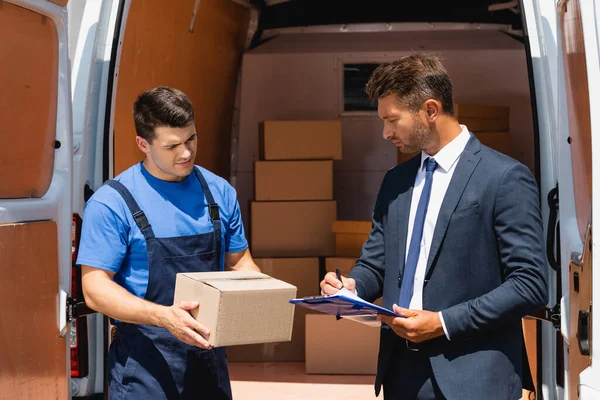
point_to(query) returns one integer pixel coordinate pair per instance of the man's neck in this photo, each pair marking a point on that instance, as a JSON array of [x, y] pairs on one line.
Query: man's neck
[[445, 131], [156, 172]]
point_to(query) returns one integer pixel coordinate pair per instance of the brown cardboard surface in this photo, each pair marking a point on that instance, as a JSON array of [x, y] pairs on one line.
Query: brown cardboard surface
[[340, 347], [301, 140], [293, 180], [33, 357], [499, 141], [481, 111], [345, 264], [350, 236], [231, 303], [29, 54], [347, 226], [485, 124], [302, 273], [292, 350], [349, 244], [292, 228]]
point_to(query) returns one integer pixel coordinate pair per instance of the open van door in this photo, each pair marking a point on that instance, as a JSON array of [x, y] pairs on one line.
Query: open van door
[[35, 199], [582, 55], [564, 42]]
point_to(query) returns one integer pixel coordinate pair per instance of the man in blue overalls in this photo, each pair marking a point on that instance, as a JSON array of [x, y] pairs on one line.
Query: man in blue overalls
[[160, 217]]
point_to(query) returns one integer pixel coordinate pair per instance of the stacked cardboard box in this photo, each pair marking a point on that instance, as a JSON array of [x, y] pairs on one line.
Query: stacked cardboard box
[[341, 347], [291, 217], [294, 206], [490, 124], [350, 236], [355, 345]]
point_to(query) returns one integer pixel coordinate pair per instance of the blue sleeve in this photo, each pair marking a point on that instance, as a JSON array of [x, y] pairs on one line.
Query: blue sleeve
[[235, 237], [104, 236]]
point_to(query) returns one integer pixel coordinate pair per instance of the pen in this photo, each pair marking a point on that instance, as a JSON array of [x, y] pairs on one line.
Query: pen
[[339, 276]]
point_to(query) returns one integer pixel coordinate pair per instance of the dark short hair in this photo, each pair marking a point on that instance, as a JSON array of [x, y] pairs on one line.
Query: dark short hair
[[413, 79], [161, 106]]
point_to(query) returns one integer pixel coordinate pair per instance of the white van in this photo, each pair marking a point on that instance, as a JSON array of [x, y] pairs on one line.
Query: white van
[[69, 72]]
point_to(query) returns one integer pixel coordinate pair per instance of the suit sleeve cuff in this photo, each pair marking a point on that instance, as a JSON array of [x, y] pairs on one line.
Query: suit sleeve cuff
[[444, 325]]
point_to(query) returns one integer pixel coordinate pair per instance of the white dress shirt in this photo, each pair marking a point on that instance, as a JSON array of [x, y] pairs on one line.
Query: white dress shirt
[[447, 159]]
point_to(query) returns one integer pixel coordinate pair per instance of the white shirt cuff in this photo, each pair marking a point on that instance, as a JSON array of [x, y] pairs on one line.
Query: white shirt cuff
[[444, 325]]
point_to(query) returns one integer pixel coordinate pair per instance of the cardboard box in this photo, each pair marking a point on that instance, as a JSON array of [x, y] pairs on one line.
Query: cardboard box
[[350, 236], [344, 264], [292, 228], [289, 351], [232, 302], [293, 180], [499, 141], [301, 140], [481, 111], [302, 273], [340, 347], [484, 124], [483, 118]]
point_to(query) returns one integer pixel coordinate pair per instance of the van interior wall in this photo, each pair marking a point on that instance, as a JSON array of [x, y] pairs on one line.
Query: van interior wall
[[299, 77], [28, 100], [159, 49], [34, 360]]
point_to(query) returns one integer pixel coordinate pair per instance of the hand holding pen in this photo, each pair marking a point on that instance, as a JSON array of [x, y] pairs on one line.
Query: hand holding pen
[[334, 281]]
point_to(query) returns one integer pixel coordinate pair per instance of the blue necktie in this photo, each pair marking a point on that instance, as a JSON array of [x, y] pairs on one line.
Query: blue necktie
[[406, 288]]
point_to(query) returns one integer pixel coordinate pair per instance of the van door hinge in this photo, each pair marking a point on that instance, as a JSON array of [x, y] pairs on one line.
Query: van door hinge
[[77, 309], [547, 314]]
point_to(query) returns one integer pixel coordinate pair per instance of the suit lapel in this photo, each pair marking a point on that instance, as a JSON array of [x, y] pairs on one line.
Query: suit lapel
[[403, 208], [464, 169]]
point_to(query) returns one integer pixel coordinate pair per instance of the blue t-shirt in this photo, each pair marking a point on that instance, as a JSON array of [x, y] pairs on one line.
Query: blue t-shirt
[[111, 240]]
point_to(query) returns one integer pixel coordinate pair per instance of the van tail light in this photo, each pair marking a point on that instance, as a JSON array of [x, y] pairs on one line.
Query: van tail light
[[78, 338]]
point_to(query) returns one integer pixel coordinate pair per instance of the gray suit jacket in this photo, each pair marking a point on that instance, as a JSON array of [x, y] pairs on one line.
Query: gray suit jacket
[[486, 270]]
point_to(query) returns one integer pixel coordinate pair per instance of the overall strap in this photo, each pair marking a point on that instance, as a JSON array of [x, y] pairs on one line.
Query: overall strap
[[138, 214], [213, 212]]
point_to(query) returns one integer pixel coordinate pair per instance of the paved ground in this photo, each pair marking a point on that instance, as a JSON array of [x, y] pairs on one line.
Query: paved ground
[[288, 381]]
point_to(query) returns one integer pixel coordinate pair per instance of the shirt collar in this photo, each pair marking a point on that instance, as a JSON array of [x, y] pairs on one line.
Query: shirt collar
[[450, 153]]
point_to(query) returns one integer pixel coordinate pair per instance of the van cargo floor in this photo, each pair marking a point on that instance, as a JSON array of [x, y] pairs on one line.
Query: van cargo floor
[[288, 381]]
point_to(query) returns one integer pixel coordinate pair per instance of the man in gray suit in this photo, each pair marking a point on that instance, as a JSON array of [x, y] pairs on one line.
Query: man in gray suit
[[456, 248]]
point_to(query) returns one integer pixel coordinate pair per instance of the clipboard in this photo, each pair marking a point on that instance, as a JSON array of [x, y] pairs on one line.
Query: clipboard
[[345, 304]]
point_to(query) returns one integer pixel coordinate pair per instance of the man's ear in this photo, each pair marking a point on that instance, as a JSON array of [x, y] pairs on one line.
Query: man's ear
[[142, 144], [433, 109]]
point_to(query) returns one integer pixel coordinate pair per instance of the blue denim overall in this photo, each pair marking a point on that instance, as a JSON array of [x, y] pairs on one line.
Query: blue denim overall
[[147, 362]]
